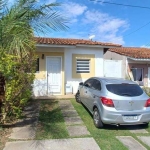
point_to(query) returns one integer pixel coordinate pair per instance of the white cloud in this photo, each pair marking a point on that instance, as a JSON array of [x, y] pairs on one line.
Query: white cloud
[[112, 38], [95, 17], [73, 11], [111, 25], [106, 27]]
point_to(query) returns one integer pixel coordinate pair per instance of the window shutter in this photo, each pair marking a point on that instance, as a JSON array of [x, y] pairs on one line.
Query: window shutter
[[83, 66]]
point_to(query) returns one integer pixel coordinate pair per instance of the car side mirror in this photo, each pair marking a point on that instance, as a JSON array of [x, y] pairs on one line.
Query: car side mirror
[[86, 85], [81, 83]]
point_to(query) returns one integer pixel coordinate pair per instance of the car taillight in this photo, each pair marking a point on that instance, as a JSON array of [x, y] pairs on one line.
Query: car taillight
[[147, 104], [107, 101]]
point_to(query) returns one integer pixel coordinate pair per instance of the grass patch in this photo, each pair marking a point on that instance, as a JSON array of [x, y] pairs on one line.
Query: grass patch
[[51, 122], [106, 137]]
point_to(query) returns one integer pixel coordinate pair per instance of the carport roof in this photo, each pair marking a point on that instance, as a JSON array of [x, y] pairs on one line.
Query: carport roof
[[132, 52], [73, 42]]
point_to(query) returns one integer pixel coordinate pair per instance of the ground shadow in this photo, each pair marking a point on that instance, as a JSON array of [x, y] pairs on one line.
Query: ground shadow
[[28, 116]]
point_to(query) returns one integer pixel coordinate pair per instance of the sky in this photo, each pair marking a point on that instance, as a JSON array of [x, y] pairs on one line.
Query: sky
[[128, 26]]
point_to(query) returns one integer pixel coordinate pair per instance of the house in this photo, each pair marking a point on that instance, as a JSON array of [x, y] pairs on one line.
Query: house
[[130, 62], [63, 63]]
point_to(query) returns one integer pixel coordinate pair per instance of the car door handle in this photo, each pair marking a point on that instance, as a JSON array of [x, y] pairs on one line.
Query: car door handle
[[85, 91]]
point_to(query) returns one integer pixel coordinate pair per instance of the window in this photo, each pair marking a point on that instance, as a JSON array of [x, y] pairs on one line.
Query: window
[[37, 65], [137, 74], [83, 66], [88, 83], [93, 83], [96, 85], [125, 89]]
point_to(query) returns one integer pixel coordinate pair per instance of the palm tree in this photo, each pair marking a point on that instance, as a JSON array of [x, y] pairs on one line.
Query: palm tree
[[18, 23]]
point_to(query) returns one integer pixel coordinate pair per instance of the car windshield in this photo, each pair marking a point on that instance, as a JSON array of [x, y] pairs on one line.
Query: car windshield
[[125, 89]]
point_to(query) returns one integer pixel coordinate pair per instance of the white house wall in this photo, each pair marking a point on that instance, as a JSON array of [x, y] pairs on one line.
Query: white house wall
[[108, 55], [68, 64], [40, 83]]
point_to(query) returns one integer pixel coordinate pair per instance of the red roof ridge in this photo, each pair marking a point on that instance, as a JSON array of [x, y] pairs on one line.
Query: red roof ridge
[[71, 41]]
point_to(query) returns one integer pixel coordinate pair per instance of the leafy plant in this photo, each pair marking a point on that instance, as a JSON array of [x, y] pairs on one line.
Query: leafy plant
[[18, 23], [17, 85], [147, 90]]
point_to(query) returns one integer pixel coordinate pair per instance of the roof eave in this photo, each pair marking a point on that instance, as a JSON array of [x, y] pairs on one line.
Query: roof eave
[[139, 59], [73, 46], [98, 46], [51, 45]]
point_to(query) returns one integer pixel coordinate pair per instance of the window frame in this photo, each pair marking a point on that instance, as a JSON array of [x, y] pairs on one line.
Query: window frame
[[136, 75], [90, 57]]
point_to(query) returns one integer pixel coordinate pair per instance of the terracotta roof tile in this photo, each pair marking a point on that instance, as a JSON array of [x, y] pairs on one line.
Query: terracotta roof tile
[[134, 52], [63, 41]]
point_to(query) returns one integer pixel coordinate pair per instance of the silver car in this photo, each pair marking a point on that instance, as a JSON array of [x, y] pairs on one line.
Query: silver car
[[114, 101]]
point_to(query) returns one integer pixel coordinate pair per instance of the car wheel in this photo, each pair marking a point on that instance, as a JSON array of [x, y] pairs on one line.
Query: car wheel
[[145, 125], [97, 119], [78, 97]]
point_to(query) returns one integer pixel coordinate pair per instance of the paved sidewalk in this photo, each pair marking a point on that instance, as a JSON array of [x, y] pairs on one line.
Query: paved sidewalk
[[145, 139], [131, 143], [74, 123], [60, 144], [26, 128], [56, 96]]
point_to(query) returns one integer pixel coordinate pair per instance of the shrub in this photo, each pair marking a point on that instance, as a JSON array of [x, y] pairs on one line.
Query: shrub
[[147, 90], [18, 82]]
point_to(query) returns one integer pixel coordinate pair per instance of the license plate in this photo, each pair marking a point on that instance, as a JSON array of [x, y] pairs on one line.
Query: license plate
[[130, 117]]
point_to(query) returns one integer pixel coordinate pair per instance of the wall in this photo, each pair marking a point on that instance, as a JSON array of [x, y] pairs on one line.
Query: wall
[[40, 82], [74, 82], [108, 55]]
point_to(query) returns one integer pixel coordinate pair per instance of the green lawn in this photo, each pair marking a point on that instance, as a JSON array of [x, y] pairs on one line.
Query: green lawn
[[51, 126], [51, 122], [105, 138]]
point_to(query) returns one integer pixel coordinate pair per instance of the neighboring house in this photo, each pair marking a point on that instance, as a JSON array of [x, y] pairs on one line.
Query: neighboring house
[[63, 63], [130, 62]]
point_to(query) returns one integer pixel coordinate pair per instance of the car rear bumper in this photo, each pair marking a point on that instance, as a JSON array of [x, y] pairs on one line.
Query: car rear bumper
[[125, 117]]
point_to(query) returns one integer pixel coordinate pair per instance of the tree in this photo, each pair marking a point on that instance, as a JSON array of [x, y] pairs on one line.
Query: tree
[[17, 48]]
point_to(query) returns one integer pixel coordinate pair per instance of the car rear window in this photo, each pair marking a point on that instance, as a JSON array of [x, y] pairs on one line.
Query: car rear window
[[125, 89]]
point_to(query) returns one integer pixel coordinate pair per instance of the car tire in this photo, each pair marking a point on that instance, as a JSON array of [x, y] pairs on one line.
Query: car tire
[[97, 119], [78, 100], [145, 125]]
